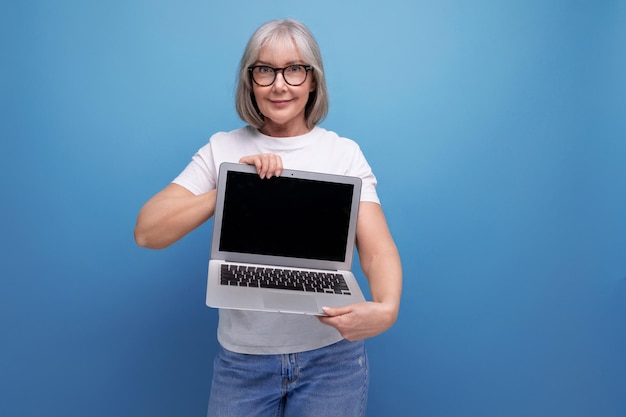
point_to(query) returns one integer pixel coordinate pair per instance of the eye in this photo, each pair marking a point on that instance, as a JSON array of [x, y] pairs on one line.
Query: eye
[[264, 70], [295, 68]]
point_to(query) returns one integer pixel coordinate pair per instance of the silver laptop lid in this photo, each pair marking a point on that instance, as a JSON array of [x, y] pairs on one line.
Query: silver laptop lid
[[300, 219]]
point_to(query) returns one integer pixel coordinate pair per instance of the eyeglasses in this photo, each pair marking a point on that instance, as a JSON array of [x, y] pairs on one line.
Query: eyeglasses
[[294, 75]]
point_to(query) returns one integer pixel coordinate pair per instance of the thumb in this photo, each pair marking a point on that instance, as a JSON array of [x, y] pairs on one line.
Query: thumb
[[336, 311]]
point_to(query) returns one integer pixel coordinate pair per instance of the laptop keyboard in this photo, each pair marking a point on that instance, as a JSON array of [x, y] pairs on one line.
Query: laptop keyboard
[[283, 279]]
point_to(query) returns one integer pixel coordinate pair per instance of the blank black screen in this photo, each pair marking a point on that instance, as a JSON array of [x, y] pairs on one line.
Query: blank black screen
[[284, 216]]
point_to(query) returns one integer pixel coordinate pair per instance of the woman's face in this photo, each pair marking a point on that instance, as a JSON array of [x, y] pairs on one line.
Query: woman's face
[[282, 104]]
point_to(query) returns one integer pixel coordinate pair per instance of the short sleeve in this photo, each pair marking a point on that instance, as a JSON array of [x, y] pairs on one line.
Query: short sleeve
[[200, 175], [359, 167]]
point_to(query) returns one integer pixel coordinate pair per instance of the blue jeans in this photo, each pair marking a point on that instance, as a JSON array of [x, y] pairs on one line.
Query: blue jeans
[[327, 382]]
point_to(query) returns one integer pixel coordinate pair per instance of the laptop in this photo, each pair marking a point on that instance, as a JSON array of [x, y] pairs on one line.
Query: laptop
[[283, 244]]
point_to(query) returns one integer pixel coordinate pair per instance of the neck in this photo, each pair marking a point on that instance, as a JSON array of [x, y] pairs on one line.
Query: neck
[[283, 131]]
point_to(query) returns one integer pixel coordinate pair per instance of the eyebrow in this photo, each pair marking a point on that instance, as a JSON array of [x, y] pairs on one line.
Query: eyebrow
[[269, 64]]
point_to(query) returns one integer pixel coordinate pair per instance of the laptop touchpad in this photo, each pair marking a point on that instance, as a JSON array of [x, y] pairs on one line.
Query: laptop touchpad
[[290, 302]]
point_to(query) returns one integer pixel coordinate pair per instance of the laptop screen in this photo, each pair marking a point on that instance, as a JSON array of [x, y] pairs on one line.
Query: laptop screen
[[284, 216]]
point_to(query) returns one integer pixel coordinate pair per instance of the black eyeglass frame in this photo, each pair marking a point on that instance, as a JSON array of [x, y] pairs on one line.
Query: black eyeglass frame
[[307, 68]]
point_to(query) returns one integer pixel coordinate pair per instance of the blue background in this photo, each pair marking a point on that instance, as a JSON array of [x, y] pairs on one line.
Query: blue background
[[497, 131]]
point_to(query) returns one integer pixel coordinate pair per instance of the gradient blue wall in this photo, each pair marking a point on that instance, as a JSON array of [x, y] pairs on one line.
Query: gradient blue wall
[[498, 134]]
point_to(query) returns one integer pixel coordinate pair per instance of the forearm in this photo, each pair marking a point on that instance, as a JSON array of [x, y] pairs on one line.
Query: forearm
[[380, 260], [169, 216], [384, 274]]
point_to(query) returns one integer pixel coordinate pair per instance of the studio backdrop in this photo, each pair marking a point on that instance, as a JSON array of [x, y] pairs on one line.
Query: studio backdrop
[[497, 134]]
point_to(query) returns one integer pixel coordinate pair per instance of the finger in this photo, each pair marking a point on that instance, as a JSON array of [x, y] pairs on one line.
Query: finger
[[255, 160], [279, 166], [274, 166], [250, 159], [338, 322], [270, 165], [263, 164], [328, 320]]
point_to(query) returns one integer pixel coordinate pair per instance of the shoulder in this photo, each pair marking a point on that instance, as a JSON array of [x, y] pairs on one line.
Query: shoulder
[[229, 144], [243, 133], [335, 139]]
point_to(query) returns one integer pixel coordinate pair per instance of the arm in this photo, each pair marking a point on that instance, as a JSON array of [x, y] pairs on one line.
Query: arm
[[380, 263], [170, 215], [176, 211]]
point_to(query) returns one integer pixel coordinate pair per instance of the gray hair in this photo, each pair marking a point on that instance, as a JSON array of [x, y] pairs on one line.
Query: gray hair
[[269, 34]]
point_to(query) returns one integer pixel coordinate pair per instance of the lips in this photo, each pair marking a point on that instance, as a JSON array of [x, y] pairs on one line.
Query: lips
[[280, 103]]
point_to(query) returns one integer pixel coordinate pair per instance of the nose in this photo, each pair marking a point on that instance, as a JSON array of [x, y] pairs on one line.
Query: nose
[[279, 81]]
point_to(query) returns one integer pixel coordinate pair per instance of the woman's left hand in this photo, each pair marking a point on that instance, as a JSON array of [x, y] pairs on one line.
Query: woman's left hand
[[360, 321]]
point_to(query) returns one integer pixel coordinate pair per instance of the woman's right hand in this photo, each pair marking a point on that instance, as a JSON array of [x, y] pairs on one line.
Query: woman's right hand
[[267, 164]]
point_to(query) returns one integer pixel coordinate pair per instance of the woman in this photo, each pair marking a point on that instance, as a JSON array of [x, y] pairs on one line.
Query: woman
[[285, 364]]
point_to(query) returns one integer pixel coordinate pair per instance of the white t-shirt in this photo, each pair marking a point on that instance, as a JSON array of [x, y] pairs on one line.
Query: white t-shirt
[[319, 150]]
